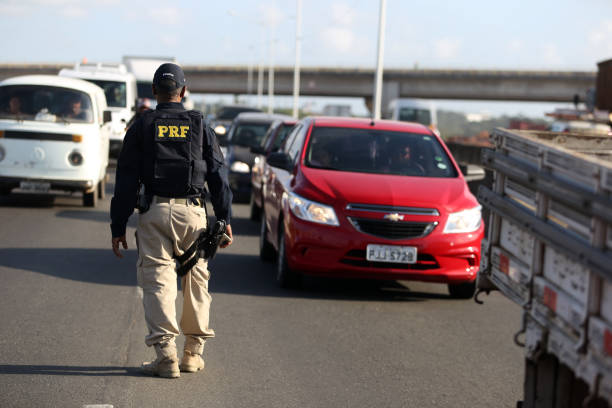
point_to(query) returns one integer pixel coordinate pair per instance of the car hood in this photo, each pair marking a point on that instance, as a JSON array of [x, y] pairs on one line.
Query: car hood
[[340, 188]]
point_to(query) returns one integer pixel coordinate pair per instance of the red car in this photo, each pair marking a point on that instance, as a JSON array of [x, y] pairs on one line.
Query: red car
[[357, 198]]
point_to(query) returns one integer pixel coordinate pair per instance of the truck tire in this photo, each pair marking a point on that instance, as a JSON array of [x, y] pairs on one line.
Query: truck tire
[[102, 189], [266, 250], [285, 276], [90, 199], [462, 290]]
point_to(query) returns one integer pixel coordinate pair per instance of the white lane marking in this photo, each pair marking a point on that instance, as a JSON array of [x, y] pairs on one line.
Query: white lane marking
[[98, 406]]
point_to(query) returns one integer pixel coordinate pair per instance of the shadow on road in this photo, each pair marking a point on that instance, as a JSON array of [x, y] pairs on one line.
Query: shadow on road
[[231, 273], [85, 265], [71, 370], [247, 275]]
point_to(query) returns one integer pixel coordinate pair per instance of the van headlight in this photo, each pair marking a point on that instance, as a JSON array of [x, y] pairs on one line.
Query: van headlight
[[464, 221], [311, 211], [220, 129], [240, 167], [75, 158]]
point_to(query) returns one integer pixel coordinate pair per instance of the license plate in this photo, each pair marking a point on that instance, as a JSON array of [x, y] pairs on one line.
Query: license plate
[[391, 253], [35, 186]]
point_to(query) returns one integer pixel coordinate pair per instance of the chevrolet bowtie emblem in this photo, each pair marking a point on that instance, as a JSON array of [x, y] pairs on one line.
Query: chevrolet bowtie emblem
[[394, 217]]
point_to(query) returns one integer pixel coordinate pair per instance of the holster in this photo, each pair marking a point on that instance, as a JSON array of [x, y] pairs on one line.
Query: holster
[[204, 247]]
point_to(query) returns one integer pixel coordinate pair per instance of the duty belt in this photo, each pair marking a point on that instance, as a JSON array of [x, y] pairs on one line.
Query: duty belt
[[181, 201]]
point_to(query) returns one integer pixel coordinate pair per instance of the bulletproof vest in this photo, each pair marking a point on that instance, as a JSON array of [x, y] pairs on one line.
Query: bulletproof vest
[[173, 146]]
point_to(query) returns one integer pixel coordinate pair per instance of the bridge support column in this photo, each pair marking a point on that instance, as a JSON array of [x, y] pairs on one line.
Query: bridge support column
[[390, 91]]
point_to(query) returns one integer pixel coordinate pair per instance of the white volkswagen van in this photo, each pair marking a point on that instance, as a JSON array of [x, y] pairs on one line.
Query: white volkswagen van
[[119, 87], [54, 135]]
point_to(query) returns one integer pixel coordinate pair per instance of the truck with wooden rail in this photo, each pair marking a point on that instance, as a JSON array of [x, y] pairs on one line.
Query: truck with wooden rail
[[549, 249]]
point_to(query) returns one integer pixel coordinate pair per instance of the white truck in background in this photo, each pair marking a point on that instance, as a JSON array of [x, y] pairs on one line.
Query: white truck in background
[[119, 87], [143, 69], [549, 249]]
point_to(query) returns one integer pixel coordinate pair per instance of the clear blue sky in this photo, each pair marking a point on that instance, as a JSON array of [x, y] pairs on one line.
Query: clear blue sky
[[541, 34]]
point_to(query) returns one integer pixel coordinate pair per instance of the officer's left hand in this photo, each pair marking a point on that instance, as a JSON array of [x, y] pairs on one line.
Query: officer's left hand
[[228, 231], [116, 242]]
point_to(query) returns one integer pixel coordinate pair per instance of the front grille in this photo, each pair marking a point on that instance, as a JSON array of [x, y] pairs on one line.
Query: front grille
[[357, 257], [392, 209], [393, 229], [59, 137]]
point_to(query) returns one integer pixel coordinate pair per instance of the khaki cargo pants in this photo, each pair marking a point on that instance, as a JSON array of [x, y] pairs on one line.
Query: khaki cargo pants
[[166, 229]]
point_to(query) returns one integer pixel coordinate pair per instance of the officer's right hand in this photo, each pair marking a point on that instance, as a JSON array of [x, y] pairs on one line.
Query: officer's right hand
[[116, 241]]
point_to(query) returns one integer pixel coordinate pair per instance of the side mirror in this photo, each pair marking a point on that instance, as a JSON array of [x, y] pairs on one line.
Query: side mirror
[[280, 160], [257, 150], [107, 116]]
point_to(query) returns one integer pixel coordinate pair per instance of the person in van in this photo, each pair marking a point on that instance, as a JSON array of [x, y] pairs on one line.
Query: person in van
[[14, 106], [76, 110]]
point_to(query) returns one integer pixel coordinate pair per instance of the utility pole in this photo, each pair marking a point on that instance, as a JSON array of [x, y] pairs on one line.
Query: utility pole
[[379, 60], [296, 68], [271, 73]]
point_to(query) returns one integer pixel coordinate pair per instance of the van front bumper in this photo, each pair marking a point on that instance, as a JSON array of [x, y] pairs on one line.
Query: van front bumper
[[65, 185]]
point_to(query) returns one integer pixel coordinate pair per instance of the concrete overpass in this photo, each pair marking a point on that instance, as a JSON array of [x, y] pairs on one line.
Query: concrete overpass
[[543, 86]]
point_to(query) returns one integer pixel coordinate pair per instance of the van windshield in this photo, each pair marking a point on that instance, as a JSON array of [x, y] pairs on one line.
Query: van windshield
[[114, 92], [422, 116], [378, 152], [45, 103]]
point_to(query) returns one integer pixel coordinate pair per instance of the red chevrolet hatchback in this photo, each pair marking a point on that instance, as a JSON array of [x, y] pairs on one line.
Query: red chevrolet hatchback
[[369, 199]]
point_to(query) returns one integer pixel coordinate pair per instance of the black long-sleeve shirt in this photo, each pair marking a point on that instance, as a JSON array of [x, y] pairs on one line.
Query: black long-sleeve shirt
[[130, 167]]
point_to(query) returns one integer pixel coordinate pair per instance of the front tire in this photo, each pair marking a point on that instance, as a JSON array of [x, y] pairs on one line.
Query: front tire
[[462, 290], [285, 276], [91, 199], [266, 250], [255, 210]]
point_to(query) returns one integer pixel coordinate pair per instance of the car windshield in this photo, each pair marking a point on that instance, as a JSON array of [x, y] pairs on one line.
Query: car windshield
[[249, 134], [422, 116], [114, 92], [378, 151], [45, 103]]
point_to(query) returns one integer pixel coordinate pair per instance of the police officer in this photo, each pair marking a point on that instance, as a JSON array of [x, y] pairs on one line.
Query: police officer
[[172, 153]]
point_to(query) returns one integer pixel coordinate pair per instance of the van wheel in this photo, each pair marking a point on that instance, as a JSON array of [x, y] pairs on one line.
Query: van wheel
[[462, 290], [266, 250], [285, 276], [102, 189], [255, 210], [90, 199]]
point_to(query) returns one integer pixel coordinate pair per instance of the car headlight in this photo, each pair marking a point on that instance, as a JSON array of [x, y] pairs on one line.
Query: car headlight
[[220, 129], [311, 211], [464, 221], [240, 167]]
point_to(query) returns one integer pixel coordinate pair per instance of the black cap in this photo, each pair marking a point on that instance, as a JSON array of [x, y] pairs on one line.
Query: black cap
[[169, 77]]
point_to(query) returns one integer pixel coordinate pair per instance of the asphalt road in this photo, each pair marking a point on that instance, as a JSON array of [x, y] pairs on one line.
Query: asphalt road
[[73, 329]]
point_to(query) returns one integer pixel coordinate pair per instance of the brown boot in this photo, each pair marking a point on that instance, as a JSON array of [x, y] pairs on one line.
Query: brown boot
[[191, 362], [165, 367], [166, 363]]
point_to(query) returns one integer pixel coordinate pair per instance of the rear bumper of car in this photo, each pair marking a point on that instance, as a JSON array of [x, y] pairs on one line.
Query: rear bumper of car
[[339, 252]]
